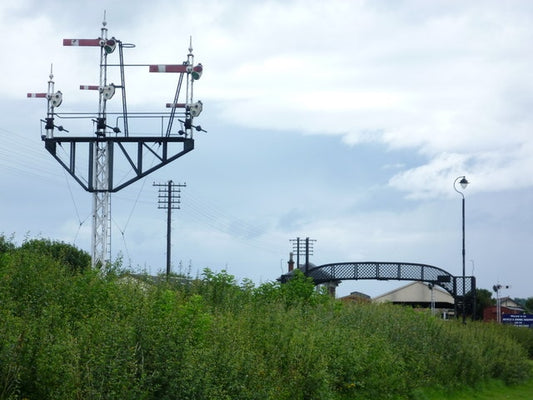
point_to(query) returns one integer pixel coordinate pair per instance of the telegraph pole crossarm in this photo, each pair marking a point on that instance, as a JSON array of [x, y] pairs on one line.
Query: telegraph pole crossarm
[[303, 249]]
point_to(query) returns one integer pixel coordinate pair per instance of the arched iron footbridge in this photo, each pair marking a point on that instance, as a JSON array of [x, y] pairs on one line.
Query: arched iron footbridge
[[377, 270]]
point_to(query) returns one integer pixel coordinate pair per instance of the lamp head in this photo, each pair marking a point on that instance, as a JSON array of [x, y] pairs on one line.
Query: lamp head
[[464, 183]]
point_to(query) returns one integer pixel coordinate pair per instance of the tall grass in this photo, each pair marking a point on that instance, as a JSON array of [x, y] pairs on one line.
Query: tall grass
[[67, 334]]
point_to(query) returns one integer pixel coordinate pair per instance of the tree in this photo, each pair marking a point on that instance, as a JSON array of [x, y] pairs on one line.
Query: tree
[[300, 289], [6, 244], [483, 300], [529, 304], [74, 259]]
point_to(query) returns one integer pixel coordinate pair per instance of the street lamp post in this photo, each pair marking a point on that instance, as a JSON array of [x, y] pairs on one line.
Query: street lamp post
[[497, 289], [464, 183]]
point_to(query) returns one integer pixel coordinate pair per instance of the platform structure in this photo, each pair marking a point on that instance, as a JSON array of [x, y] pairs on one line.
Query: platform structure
[[117, 147]]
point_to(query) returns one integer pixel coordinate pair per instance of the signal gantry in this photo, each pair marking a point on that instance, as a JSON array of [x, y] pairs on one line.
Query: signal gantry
[[118, 138]]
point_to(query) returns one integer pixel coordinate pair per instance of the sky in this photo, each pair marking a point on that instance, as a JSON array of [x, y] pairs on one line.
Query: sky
[[343, 121]]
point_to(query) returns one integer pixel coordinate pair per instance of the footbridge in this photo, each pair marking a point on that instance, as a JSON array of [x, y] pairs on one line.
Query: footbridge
[[458, 286]]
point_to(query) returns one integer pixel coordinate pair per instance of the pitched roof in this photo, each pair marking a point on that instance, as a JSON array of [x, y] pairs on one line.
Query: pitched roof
[[415, 292]]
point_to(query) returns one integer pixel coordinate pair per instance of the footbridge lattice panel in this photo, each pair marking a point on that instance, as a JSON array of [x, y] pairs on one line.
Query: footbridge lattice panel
[[390, 271]]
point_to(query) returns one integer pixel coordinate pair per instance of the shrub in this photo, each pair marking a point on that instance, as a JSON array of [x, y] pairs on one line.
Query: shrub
[[89, 335]]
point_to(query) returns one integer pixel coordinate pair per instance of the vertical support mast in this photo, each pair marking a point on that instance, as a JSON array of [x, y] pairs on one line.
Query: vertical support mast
[[50, 107], [101, 231], [53, 99], [190, 80]]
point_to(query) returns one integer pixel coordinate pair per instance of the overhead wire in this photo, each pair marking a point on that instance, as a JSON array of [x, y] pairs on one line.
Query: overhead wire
[[208, 215], [20, 154], [23, 157], [30, 161], [203, 212], [122, 231], [212, 216], [226, 222], [80, 221], [123, 240]]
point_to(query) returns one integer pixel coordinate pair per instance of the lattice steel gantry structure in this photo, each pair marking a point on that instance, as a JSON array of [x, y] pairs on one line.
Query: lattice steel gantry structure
[[92, 159]]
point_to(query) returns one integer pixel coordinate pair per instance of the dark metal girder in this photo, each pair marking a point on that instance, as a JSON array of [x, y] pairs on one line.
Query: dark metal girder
[[121, 139], [133, 157]]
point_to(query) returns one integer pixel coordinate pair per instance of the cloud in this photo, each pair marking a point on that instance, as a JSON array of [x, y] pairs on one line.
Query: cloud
[[487, 171], [439, 78], [432, 179], [412, 94], [448, 81]]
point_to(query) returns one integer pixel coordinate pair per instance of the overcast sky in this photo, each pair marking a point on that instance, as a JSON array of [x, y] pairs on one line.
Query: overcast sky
[[343, 121]]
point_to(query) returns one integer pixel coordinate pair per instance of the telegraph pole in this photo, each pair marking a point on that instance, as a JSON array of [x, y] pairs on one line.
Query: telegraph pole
[[169, 198], [302, 249]]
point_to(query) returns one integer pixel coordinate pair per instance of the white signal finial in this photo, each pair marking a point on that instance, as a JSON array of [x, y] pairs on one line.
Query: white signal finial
[[190, 44], [51, 71], [104, 22]]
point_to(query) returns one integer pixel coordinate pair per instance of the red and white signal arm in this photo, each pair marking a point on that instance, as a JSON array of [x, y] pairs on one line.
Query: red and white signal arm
[[82, 42], [107, 91], [196, 71], [177, 68], [109, 45], [37, 95], [56, 98]]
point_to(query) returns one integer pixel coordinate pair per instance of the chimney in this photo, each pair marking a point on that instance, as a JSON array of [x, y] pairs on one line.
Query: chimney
[[291, 262]]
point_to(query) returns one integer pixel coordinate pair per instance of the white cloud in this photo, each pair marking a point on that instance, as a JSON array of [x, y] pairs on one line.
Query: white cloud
[[488, 171], [433, 179], [440, 78], [433, 90]]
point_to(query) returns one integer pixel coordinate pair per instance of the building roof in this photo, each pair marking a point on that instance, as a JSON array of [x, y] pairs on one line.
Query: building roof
[[415, 292], [356, 297], [510, 303]]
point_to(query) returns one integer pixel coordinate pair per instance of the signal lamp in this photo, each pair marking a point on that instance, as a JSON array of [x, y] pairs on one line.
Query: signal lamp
[[56, 99], [197, 72], [108, 91], [110, 46], [196, 108]]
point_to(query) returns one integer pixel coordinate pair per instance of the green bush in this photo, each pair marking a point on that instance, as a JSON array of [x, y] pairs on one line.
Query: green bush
[[521, 335], [90, 335]]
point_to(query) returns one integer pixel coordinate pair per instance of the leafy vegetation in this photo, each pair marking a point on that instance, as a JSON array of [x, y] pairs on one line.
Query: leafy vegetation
[[493, 390], [526, 303], [72, 332], [483, 300]]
